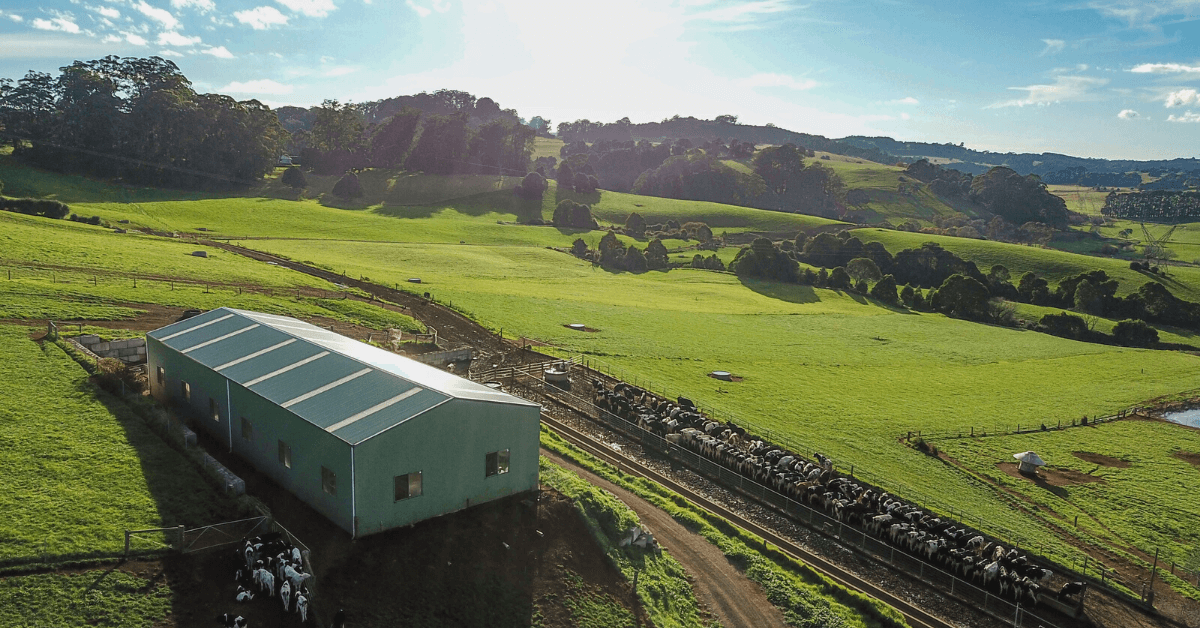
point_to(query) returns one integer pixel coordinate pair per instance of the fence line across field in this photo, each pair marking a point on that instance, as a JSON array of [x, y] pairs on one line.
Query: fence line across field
[[1093, 571]]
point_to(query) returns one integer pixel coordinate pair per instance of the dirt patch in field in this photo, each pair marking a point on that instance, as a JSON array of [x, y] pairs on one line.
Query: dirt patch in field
[[1049, 477], [1188, 457], [1101, 459]]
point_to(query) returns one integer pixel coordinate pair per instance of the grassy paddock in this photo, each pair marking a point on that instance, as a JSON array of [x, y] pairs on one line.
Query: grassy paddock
[[78, 467], [91, 598], [806, 597]]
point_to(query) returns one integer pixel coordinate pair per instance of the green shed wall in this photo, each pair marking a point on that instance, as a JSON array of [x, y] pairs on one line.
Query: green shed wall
[[449, 445], [311, 446]]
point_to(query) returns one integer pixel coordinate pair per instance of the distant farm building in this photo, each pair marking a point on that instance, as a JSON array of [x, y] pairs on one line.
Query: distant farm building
[[370, 439]]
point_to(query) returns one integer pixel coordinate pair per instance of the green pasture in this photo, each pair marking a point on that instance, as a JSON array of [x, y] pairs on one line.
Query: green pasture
[[883, 185], [1080, 199], [100, 597], [834, 372], [77, 468], [1053, 265], [1160, 490], [547, 147]]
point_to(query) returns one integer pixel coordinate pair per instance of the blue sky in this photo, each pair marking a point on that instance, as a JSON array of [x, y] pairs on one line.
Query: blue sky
[[1099, 78]]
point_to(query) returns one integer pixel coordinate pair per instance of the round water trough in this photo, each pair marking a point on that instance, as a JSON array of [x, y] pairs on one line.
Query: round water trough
[[577, 326], [493, 385], [415, 280], [725, 375], [557, 375]]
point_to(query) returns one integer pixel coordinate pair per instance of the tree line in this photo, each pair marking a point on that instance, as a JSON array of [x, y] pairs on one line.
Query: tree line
[[931, 278], [138, 120], [1156, 205], [999, 191], [339, 140]]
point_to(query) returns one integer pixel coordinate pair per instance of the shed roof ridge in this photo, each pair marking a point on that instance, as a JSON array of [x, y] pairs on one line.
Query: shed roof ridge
[[426, 385]]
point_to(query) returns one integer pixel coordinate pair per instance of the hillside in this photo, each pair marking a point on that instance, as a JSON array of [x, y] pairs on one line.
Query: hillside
[[978, 162]]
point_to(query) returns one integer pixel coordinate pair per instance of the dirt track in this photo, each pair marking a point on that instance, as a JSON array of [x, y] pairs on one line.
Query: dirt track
[[728, 593]]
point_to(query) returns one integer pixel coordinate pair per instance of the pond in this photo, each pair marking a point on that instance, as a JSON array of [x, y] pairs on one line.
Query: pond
[[1186, 417]]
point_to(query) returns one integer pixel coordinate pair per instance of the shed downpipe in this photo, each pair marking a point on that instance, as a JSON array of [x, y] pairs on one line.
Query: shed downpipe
[[229, 415], [353, 503]]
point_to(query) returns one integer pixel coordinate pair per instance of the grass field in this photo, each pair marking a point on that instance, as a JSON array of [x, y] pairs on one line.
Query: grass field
[[1150, 479], [833, 371], [883, 186], [92, 598], [77, 469], [547, 147], [1166, 333]]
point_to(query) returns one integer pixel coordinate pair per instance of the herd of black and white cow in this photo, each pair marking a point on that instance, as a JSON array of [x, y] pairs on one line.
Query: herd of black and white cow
[[969, 556], [269, 566]]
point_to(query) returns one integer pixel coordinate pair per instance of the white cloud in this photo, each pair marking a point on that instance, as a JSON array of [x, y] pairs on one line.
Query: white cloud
[[261, 18], [1166, 68], [204, 6], [311, 8], [111, 39], [1065, 88], [171, 38], [219, 52], [1186, 117], [744, 12], [441, 6], [341, 70], [56, 24], [1053, 46], [107, 12], [162, 16], [136, 40], [909, 100], [169, 53], [768, 79], [1181, 98], [1144, 12], [1128, 114], [12, 16], [260, 86]]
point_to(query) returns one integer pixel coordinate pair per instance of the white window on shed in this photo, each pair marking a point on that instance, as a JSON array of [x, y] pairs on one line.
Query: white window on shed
[[247, 429], [496, 463], [214, 410], [285, 454], [328, 481], [162, 376], [408, 485], [187, 390]]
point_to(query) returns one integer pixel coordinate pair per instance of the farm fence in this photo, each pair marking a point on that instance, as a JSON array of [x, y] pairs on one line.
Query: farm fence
[[996, 429], [222, 534], [860, 542], [1094, 572]]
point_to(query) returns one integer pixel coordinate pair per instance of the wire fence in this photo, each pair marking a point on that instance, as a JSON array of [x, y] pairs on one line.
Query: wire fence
[[998, 429], [68, 276], [856, 540], [1078, 566]]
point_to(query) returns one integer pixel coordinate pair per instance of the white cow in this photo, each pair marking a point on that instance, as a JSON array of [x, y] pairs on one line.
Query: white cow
[[302, 606], [285, 595]]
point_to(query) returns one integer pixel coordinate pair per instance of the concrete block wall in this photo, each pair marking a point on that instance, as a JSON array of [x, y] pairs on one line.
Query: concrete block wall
[[132, 351]]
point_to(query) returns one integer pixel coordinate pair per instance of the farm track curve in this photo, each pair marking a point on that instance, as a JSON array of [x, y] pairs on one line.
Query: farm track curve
[[915, 616]]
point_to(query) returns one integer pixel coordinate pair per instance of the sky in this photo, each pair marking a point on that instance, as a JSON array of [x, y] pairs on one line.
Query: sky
[[1093, 78]]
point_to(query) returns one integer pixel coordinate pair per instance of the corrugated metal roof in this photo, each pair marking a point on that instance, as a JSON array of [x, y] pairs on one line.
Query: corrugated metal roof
[[349, 388]]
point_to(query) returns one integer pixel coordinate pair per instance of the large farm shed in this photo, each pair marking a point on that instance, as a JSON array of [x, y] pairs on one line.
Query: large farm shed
[[370, 439]]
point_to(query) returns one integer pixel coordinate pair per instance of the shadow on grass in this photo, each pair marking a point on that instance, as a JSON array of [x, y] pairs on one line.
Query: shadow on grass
[[181, 494], [792, 293], [500, 202]]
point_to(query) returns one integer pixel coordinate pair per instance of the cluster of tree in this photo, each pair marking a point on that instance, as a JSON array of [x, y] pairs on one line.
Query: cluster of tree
[[999, 191], [532, 187], [997, 229], [139, 120], [712, 262], [616, 164], [720, 128], [348, 186], [583, 181], [1156, 205], [1081, 176], [612, 253], [1129, 332], [443, 102], [35, 207], [636, 226], [339, 140], [571, 215], [700, 177]]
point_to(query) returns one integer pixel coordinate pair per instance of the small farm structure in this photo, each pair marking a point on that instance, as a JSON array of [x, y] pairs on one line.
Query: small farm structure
[[1028, 462], [370, 439]]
